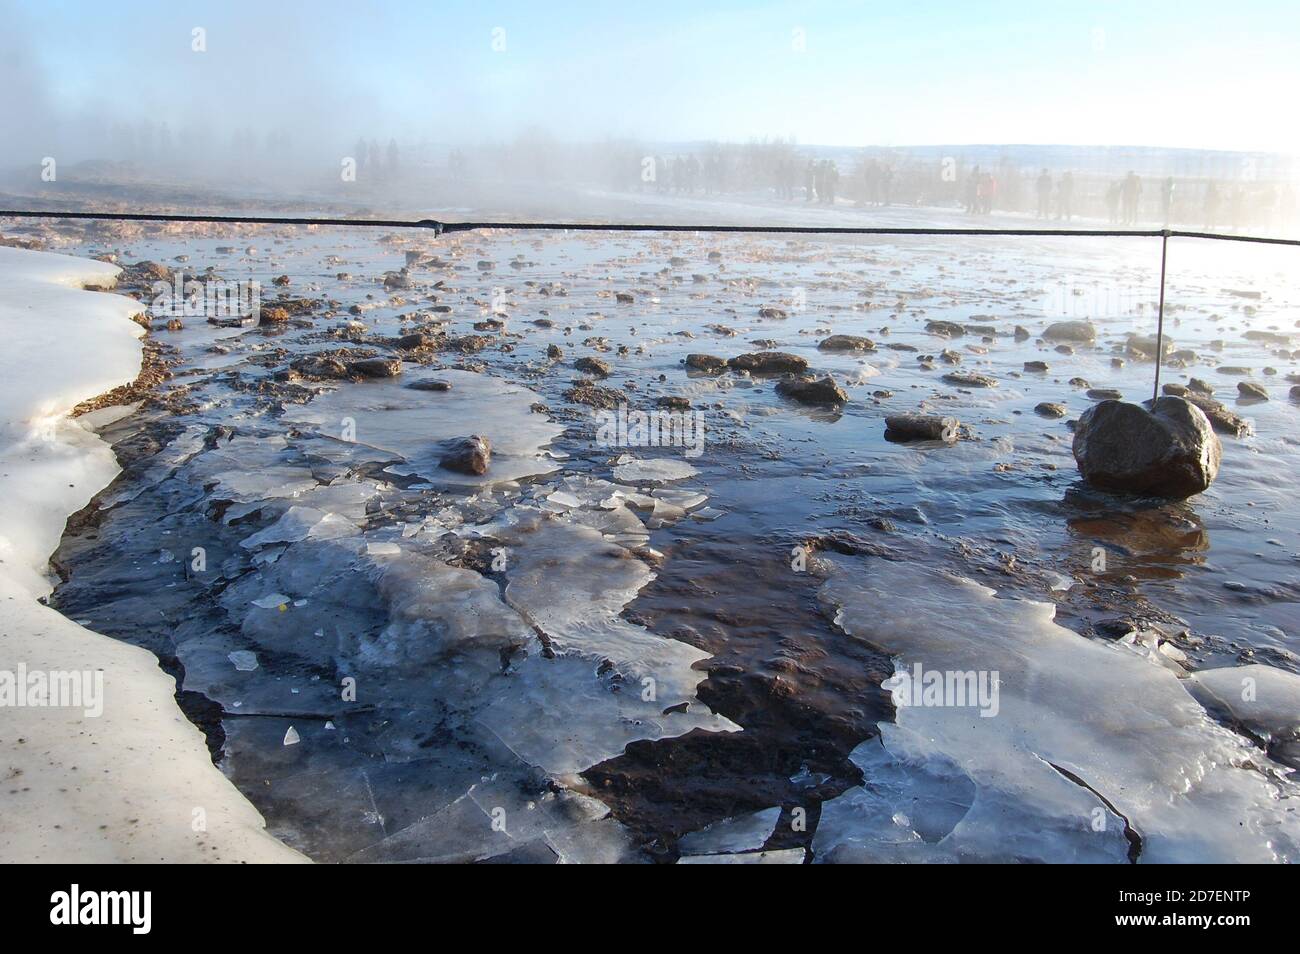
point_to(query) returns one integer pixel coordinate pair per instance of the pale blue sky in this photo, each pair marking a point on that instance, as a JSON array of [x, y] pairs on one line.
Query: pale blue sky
[[1188, 73]]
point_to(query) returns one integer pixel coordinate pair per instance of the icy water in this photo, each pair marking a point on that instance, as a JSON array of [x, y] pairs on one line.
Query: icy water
[[627, 653]]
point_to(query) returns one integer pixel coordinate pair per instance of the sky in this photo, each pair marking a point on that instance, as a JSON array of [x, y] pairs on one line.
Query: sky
[[1197, 74]]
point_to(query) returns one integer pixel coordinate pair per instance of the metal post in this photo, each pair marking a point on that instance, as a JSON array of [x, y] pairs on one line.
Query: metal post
[[1160, 320]]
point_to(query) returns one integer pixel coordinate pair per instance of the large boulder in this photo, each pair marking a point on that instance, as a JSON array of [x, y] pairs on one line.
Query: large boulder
[[1169, 451]]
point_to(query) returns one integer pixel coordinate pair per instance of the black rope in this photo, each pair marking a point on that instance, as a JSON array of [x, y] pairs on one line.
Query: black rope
[[441, 227]]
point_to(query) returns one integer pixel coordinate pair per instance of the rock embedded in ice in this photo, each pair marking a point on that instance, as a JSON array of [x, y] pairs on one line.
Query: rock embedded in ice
[[468, 455]]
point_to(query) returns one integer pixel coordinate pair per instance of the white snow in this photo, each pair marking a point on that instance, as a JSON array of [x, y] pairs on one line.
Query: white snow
[[135, 783]]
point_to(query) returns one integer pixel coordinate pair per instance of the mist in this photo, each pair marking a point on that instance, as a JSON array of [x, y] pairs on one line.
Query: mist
[[506, 109]]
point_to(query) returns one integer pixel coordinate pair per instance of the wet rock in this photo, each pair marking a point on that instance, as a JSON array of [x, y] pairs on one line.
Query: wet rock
[[922, 427], [416, 340], [273, 315], [555, 352], [1105, 394], [1050, 409], [319, 366], [769, 362], [1039, 367], [280, 280], [1221, 419], [174, 325], [947, 329], [969, 380], [1295, 392], [1143, 347], [1252, 391], [468, 455], [1022, 333], [1169, 451], [375, 367], [674, 402], [593, 366], [812, 390], [145, 273], [624, 298], [705, 362], [948, 356], [430, 384], [1079, 383], [847, 343], [1177, 390], [595, 395], [467, 344], [1200, 387], [769, 311], [1081, 332]]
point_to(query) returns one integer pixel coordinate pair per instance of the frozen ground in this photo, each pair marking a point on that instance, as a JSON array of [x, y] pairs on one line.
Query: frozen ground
[[125, 778], [600, 652]]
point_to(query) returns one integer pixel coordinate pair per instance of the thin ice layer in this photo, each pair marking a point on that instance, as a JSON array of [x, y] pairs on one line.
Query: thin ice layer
[[1079, 724], [412, 423]]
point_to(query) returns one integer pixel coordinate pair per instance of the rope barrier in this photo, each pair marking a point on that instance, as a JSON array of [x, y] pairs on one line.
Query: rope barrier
[[440, 228]]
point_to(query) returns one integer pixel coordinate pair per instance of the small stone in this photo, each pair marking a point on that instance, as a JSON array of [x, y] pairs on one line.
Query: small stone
[[376, 367], [593, 366], [812, 391], [847, 343], [769, 362], [705, 362], [922, 427]]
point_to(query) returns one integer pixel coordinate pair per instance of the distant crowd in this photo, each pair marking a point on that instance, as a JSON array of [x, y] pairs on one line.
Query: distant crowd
[[1202, 201]]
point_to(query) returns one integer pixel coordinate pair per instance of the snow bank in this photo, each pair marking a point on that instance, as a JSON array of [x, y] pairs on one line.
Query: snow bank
[[133, 782]]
